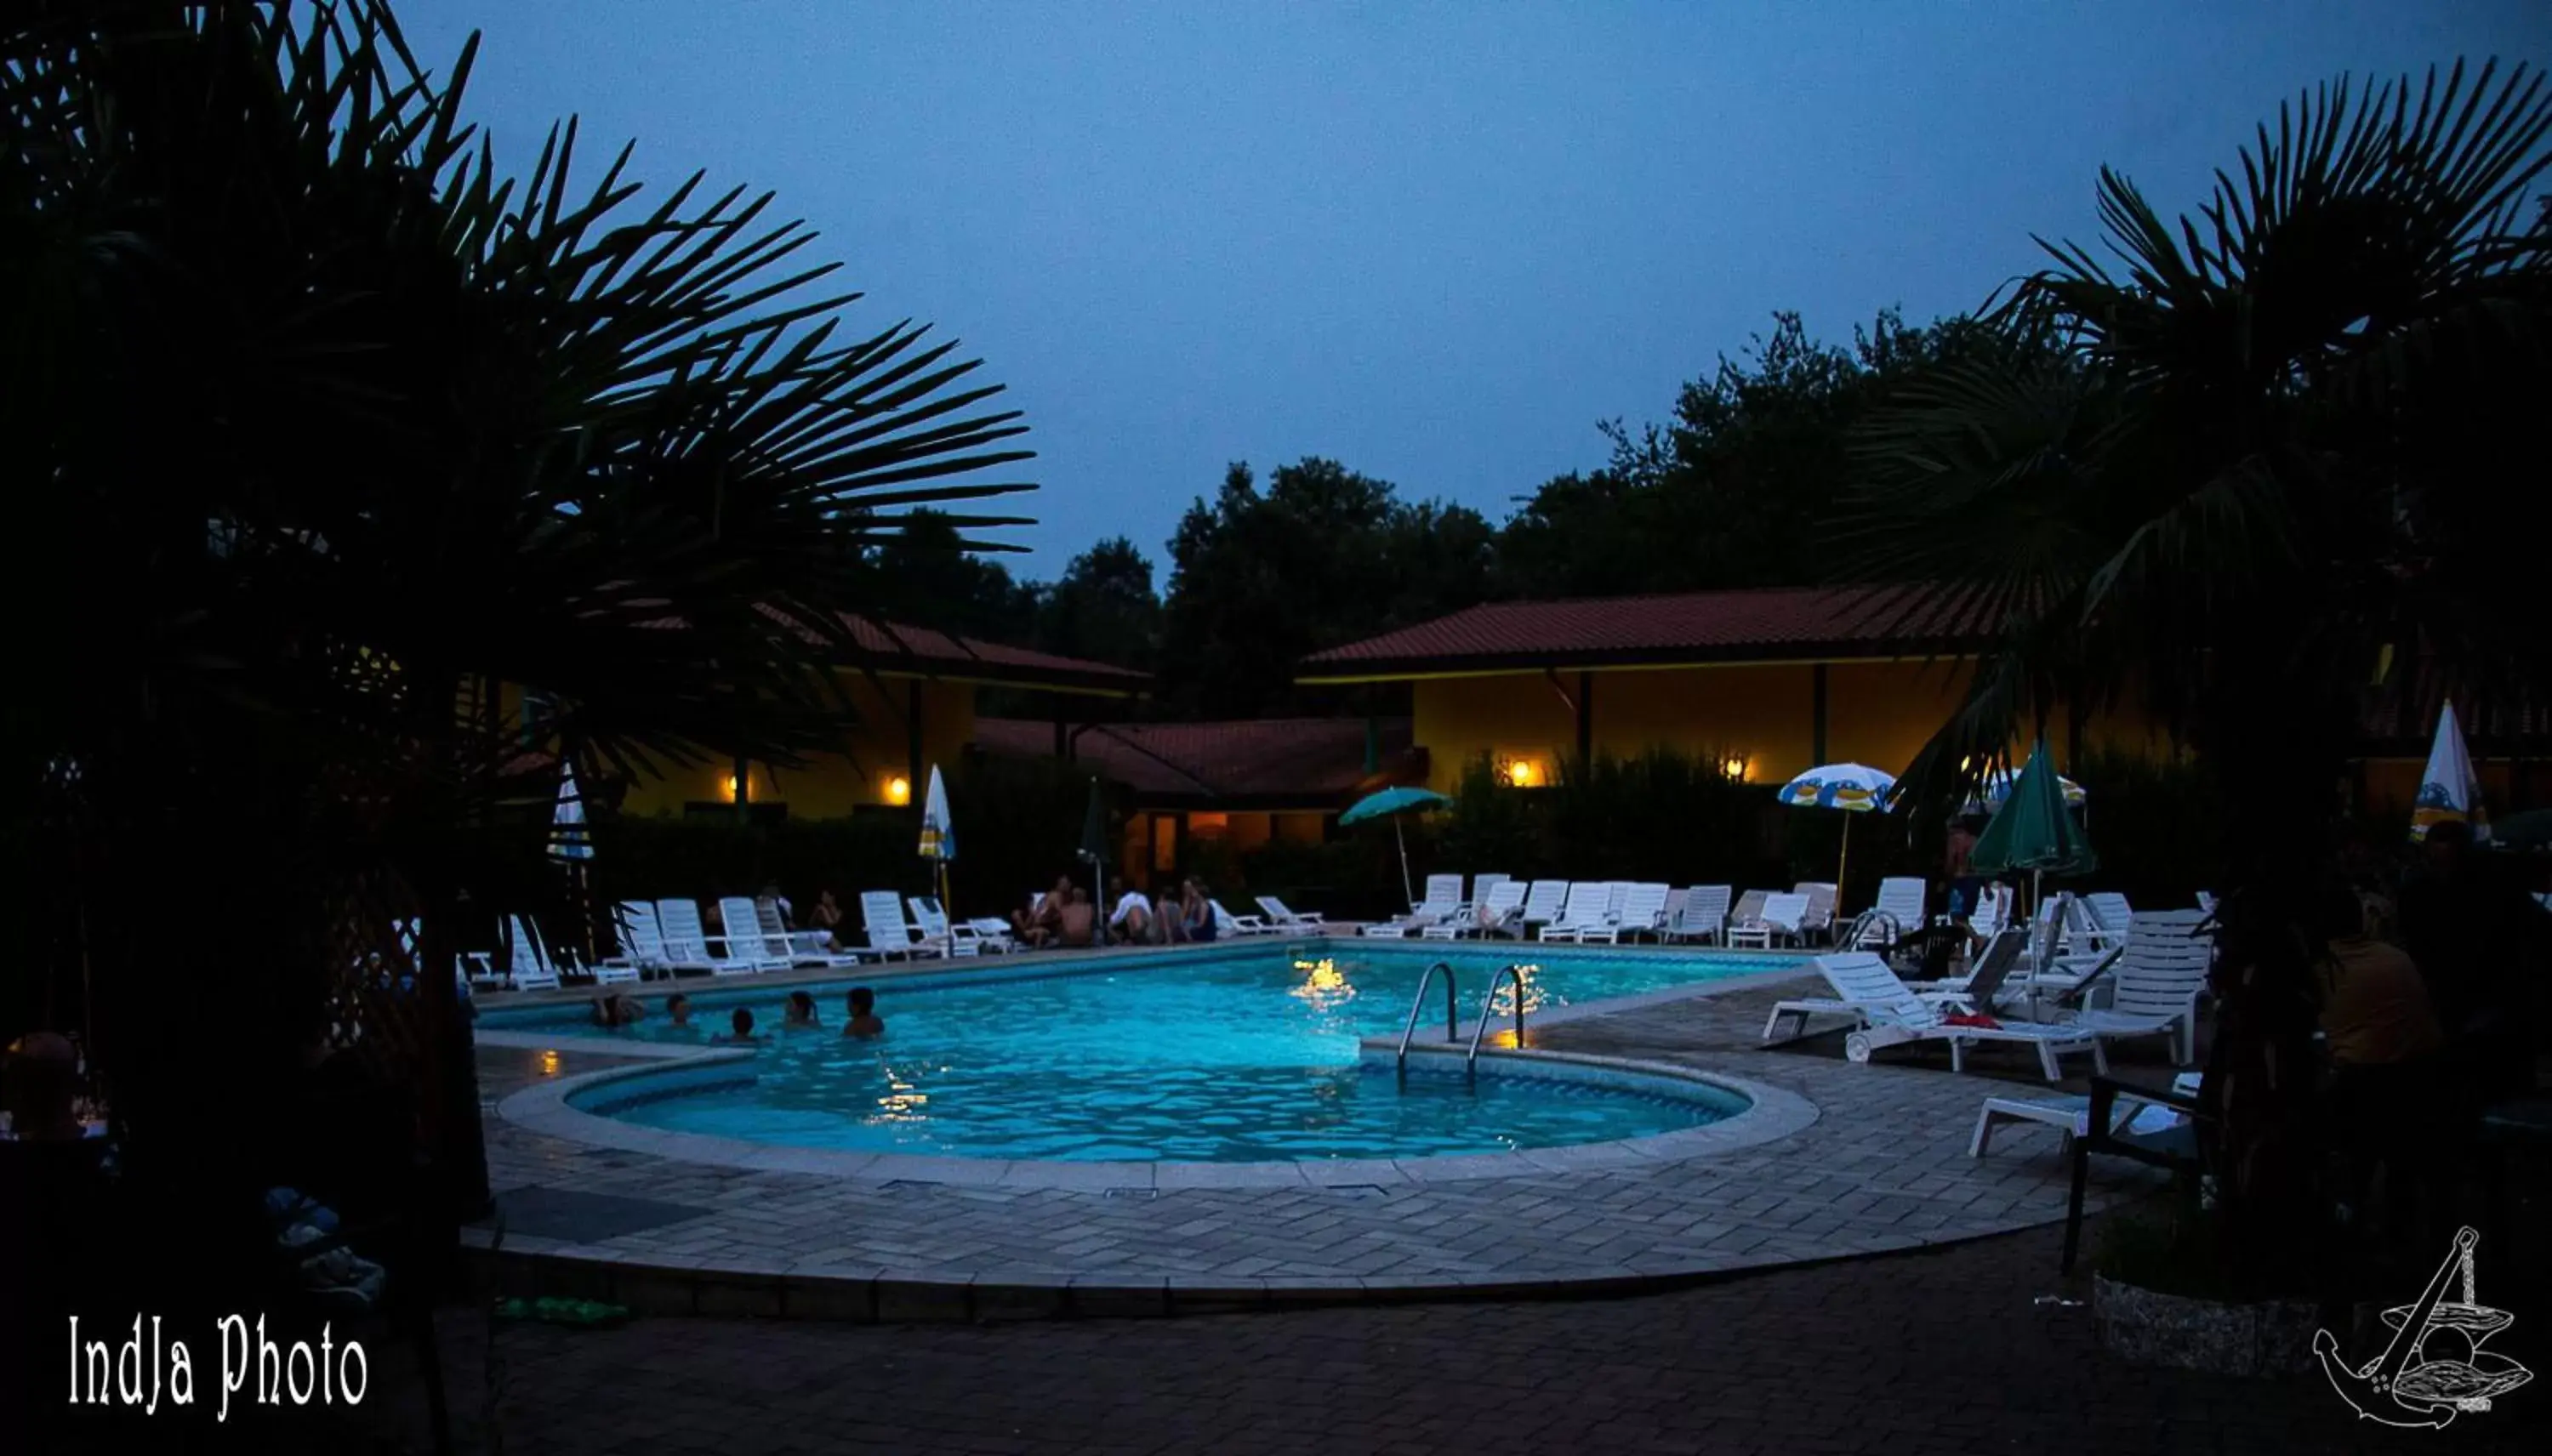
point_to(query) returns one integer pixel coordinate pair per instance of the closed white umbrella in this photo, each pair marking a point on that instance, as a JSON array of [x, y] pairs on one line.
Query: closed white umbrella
[[940, 846], [571, 844], [2449, 791]]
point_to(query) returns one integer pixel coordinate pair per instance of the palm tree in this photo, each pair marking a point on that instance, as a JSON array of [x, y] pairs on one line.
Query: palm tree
[[318, 425], [2257, 461]]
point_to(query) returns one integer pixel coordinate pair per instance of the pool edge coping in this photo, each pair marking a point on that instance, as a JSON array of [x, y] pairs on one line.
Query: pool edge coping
[[1772, 1113]]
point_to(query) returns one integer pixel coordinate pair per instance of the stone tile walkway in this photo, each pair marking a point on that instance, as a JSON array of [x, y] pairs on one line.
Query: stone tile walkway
[[1938, 1353], [1884, 1166]]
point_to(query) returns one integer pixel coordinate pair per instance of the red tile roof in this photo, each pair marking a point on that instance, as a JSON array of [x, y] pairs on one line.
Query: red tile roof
[[991, 661], [1313, 762], [1687, 627], [888, 647]]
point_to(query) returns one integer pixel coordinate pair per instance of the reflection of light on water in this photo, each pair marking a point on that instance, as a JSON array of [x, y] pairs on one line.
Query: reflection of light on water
[[904, 1101], [1323, 985], [548, 1064], [1502, 1006]]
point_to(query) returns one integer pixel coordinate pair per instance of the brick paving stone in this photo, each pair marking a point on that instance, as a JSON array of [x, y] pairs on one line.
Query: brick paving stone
[[1908, 1355]]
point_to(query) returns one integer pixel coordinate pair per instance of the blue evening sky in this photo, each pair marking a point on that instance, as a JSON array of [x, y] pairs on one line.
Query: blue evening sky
[[1436, 241]]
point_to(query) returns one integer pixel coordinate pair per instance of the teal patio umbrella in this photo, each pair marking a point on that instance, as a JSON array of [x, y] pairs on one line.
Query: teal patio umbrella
[[2033, 831], [1394, 802]]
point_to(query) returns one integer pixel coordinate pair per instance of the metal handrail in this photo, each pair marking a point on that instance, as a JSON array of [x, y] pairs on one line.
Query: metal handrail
[[1470, 1062], [1418, 1004]]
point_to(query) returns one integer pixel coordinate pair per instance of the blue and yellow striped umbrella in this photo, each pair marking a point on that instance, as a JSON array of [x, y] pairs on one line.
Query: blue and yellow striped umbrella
[[1854, 788]]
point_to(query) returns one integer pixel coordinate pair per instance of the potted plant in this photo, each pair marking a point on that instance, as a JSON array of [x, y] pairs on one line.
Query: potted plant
[[2162, 1293]]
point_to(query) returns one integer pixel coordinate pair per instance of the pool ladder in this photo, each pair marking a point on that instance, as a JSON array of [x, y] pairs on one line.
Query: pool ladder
[[1452, 1023]]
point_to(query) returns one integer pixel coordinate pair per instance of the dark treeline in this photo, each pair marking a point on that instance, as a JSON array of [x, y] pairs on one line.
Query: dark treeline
[[1730, 491]]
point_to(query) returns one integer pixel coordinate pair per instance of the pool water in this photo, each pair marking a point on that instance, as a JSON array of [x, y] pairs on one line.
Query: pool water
[[1249, 1056]]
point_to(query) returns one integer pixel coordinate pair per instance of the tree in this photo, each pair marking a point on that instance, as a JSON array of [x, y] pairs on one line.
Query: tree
[[1324, 556], [1102, 607], [1736, 489], [2269, 468], [320, 424], [927, 573]]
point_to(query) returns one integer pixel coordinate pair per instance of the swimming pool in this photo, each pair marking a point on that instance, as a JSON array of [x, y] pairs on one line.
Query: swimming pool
[[1246, 1055]]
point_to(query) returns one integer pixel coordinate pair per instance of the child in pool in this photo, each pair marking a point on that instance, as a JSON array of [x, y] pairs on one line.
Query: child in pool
[[801, 1011], [865, 1022], [742, 1021]]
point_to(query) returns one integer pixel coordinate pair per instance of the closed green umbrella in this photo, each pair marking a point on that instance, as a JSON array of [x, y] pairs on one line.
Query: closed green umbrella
[[2032, 830]]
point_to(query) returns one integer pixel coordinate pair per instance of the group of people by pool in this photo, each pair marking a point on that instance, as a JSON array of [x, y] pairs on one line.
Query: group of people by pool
[[1064, 916], [861, 1020]]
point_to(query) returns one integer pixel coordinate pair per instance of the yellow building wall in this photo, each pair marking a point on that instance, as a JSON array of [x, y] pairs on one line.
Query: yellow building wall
[[835, 785], [1878, 713]]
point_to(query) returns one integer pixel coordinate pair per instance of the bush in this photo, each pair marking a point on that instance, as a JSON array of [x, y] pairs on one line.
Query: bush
[[1019, 826]]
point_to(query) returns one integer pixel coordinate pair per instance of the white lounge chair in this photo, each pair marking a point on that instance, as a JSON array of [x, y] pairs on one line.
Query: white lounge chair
[[1586, 905], [1227, 923], [1640, 910], [1544, 904], [1482, 886], [803, 948], [528, 966], [2154, 989], [2071, 1115], [1492, 916], [954, 939], [1820, 917], [1891, 1012], [889, 933], [742, 947], [687, 939], [1443, 902], [2111, 914], [1977, 988], [992, 933], [1290, 920], [1704, 916], [641, 951], [1782, 915], [1898, 913]]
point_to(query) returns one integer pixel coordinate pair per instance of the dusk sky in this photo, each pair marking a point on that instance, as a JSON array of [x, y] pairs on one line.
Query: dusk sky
[[1437, 243]]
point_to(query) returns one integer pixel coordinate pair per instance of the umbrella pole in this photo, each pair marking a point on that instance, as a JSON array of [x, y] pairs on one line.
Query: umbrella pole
[[1843, 863], [1401, 835]]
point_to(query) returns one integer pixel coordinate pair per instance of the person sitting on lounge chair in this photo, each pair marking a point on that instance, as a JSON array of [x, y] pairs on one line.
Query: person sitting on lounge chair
[[865, 1023], [1079, 919], [801, 1011], [771, 896], [1042, 921], [1131, 920], [826, 915], [1196, 912]]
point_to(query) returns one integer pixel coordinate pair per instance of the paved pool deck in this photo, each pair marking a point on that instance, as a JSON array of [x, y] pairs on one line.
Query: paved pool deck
[[1856, 1160]]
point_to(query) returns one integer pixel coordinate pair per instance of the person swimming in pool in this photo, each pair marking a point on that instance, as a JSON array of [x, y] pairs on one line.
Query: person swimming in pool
[[617, 1010], [677, 1007], [865, 1022], [742, 1022], [801, 1011]]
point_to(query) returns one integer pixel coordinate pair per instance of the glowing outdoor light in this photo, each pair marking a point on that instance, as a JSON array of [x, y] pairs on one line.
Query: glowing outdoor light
[[899, 790], [1734, 766], [730, 787], [548, 1064], [1520, 773]]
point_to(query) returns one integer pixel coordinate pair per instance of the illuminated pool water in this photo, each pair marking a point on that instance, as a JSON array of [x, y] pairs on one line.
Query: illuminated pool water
[[1247, 1056]]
